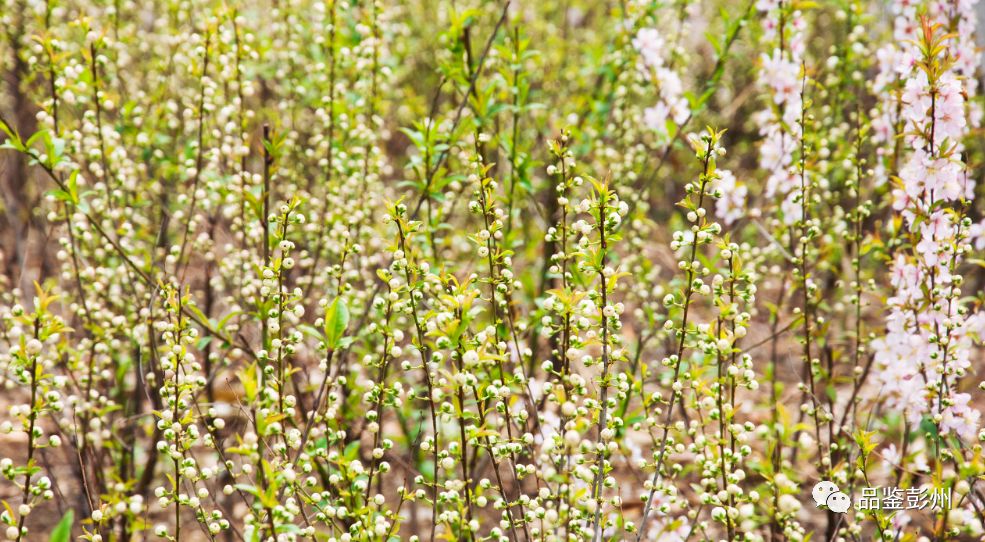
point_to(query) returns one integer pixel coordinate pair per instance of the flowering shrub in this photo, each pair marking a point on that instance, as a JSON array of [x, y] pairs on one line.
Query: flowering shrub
[[532, 271]]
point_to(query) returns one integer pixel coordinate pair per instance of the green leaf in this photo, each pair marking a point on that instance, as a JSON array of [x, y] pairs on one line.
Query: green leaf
[[203, 342], [61, 195], [311, 331], [336, 321], [63, 531], [13, 139], [73, 186], [202, 318], [225, 319], [351, 450], [427, 469], [248, 379], [247, 488], [39, 135]]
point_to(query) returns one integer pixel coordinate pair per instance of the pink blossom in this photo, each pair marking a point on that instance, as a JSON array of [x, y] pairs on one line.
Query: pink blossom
[[960, 417], [977, 235], [655, 118], [780, 74], [783, 77], [670, 102], [650, 45], [732, 205]]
